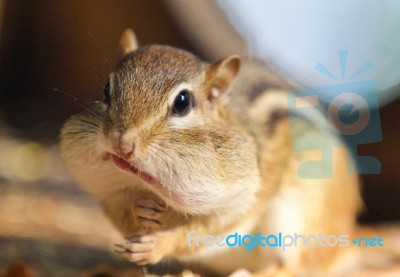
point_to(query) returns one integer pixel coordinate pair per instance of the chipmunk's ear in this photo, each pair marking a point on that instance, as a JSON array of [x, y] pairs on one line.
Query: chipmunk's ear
[[222, 75], [128, 42]]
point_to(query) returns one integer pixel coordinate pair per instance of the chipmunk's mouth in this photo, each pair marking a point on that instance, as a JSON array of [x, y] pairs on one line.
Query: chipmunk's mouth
[[127, 166]]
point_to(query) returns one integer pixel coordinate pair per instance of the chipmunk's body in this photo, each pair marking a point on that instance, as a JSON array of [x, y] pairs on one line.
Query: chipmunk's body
[[220, 154]]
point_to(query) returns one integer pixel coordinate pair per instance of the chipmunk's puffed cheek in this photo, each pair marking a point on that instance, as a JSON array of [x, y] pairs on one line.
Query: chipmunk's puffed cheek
[[195, 198]]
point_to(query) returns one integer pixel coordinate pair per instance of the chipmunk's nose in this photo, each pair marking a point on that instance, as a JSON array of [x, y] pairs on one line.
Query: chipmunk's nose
[[125, 150], [123, 142]]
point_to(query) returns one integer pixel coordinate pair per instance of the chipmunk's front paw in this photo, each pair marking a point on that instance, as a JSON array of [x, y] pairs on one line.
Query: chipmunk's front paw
[[151, 215], [141, 250]]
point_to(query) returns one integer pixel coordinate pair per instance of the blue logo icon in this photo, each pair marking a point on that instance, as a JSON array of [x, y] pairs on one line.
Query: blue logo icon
[[352, 110]]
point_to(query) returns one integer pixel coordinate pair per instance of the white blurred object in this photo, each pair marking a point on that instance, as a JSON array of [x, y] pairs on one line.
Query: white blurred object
[[294, 36]]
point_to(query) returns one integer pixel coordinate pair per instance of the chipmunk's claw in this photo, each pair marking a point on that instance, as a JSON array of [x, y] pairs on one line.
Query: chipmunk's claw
[[150, 214], [138, 249]]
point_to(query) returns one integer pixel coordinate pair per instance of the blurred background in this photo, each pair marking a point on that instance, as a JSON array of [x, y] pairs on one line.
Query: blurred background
[[55, 57]]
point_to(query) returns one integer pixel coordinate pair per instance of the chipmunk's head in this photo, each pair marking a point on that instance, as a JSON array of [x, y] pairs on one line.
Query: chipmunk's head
[[167, 123]]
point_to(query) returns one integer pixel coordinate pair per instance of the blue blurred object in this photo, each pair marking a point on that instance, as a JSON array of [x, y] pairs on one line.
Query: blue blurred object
[[294, 36]]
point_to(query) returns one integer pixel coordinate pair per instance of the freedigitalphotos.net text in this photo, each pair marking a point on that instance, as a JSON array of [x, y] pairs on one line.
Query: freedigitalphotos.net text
[[279, 240]]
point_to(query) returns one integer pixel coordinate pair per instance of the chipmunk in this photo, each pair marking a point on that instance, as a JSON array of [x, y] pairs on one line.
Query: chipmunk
[[180, 145]]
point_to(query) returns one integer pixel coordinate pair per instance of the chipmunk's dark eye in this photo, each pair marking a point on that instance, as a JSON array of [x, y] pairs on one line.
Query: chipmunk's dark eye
[[107, 98], [182, 104]]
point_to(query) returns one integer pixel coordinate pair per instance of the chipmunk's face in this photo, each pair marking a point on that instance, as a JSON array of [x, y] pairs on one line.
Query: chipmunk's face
[[165, 125]]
